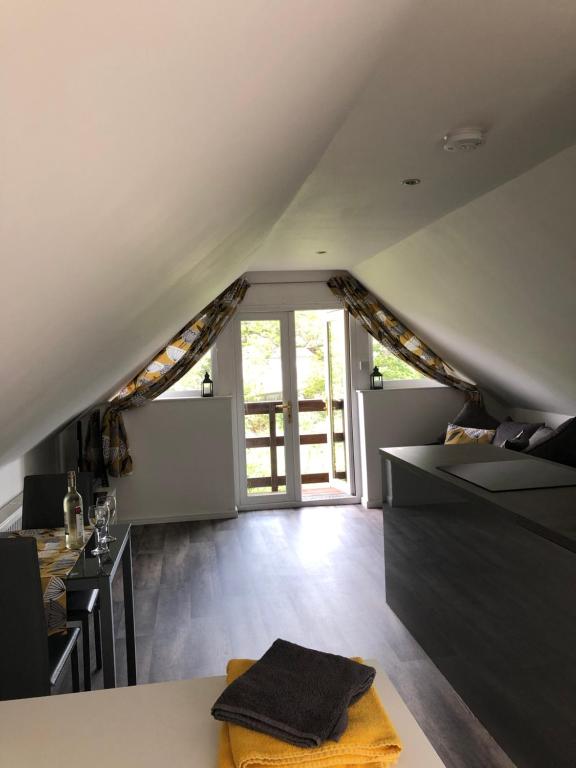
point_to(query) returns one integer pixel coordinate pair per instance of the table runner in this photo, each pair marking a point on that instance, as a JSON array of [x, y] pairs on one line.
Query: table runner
[[55, 563]]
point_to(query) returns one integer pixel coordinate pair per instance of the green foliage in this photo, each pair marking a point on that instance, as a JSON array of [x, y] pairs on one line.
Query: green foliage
[[313, 388], [310, 339], [390, 366], [262, 377]]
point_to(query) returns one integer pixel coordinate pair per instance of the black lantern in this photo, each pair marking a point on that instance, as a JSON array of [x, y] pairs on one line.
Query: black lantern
[[207, 386], [376, 380]]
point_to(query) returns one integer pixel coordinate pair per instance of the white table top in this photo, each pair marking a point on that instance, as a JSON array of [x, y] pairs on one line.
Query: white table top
[[146, 726]]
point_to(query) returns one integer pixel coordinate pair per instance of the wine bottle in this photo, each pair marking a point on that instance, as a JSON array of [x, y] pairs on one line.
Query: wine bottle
[[73, 515]]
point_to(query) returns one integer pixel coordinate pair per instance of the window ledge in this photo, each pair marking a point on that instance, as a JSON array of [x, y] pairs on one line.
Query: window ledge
[[406, 384], [188, 396]]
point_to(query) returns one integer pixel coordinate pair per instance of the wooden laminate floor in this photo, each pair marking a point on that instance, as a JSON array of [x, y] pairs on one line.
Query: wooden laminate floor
[[207, 591]]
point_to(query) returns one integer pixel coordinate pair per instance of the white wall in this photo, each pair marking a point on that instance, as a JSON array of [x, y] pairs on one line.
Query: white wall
[[278, 290], [183, 463], [412, 413], [491, 286], [534, 417]]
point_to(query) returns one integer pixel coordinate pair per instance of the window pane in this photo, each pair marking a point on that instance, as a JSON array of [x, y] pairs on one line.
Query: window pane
[[310, 327], [390, 366], [192, 381], [261, 361], [263, 398]]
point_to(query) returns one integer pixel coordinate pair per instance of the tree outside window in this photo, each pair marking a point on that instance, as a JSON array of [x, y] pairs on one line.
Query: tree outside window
[[391, 367]]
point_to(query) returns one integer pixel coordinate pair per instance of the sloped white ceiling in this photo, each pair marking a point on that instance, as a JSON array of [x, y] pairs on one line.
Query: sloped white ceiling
[[492, 286], [150, 152], [508, 67], [145, 150]]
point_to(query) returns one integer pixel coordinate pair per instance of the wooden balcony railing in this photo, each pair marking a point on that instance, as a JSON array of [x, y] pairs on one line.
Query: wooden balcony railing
[[273, 441]]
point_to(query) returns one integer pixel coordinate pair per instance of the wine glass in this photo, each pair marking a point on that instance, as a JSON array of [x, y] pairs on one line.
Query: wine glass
[[98, 516], [110, 502]]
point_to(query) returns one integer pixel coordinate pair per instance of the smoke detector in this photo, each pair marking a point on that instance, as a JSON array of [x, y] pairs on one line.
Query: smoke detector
[[464, 140]]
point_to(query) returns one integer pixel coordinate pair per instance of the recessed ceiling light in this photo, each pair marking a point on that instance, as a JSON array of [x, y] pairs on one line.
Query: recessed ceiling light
[[320, 252], [411, 182]]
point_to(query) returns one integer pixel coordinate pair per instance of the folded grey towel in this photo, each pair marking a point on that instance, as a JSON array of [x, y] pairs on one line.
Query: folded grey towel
[[295, 694]]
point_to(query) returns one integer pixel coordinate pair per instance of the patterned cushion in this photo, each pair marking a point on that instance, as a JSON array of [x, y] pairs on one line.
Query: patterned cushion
[[456, 435], [471, 415]]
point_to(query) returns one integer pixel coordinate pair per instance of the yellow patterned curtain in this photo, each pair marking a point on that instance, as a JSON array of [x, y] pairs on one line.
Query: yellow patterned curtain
[[389, 331], [180, 354]]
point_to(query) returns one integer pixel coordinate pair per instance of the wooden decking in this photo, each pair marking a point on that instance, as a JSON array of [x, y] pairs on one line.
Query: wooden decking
[[270, 409]]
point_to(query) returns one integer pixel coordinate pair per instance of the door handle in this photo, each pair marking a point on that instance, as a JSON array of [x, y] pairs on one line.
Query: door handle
[[288, 408]]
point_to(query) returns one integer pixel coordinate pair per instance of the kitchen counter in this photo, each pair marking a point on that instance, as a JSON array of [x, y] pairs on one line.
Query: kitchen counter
[[162, 724]]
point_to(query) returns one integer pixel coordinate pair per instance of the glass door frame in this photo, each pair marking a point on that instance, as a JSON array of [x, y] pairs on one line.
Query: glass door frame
[[291, 434], [354, 375]]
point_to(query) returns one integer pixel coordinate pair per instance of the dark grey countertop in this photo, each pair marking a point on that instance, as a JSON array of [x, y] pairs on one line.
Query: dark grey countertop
[[550, 512]]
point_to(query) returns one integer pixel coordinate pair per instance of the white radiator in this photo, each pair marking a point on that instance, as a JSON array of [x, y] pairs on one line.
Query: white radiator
[[13, 522]]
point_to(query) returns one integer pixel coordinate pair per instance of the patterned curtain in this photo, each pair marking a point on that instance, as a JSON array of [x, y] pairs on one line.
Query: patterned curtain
[[389, 331], [180, 354], [93, 449]]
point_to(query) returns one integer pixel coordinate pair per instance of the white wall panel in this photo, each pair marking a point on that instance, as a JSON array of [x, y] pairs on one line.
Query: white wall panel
[[183, 461], [396, 417]]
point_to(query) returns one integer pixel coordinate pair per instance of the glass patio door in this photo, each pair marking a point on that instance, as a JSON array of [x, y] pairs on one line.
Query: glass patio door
[[292, 408], [266, 417]]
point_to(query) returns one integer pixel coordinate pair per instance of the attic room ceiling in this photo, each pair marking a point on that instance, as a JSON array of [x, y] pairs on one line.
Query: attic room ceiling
[[146, 148], [152, 152], [508, 67]]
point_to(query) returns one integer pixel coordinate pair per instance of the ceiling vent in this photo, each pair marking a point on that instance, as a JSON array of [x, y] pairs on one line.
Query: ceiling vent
[[464, 140]]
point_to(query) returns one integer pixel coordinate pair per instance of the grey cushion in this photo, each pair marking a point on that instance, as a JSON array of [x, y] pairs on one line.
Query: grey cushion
[[540, 436], [560, 446], [511, 430]]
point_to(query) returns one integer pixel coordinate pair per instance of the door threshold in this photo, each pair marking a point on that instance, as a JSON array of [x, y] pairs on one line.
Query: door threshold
[[339, 501]]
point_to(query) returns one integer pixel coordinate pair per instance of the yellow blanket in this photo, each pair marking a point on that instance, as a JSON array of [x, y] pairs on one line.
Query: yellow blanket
[[369, 740]]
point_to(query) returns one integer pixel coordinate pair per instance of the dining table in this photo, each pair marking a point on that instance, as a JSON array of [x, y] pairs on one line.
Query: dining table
[[63, 571], [98, 572]]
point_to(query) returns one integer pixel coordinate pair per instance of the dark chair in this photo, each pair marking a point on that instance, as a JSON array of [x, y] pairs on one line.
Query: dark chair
[[43, 496], [42, 508], [30, 661]]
